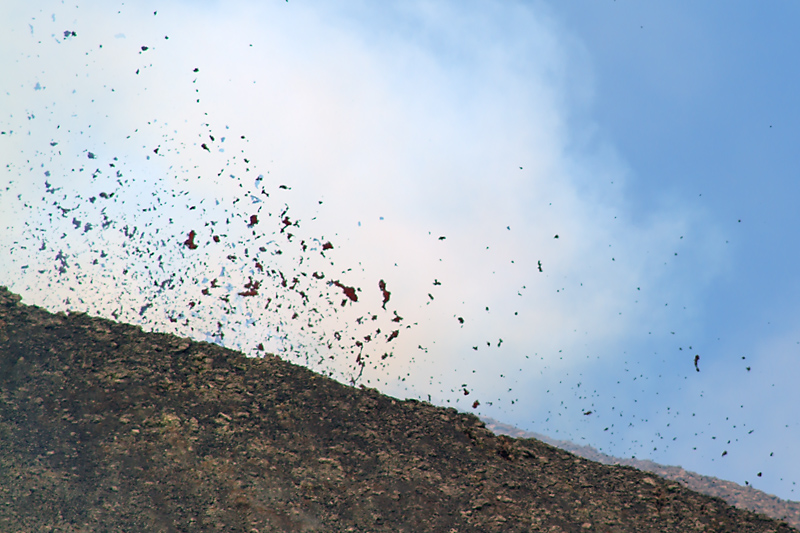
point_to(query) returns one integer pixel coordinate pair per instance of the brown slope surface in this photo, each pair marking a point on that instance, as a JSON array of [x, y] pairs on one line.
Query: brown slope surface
[[733, 493], [106, 428]]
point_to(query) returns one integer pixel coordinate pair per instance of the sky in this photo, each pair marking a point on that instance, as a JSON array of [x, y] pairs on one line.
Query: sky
[[577, 218]]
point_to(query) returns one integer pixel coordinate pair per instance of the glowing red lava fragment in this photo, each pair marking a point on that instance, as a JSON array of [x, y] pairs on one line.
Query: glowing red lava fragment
[[327, 246], [393, 335], [386, 294], [253, 221], [191, 305], [397, 318], [252, 288], [475, 404], [190, 241], [259, 266], [216, 238], [286, 222], [260, 346], [466, 392], [318, 275], [350, 292], [204, 147]]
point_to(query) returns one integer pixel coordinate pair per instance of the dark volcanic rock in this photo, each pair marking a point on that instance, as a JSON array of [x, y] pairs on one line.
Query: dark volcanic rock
[[106, 428]]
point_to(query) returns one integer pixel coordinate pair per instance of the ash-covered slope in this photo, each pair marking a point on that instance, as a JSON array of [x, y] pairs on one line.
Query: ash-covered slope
[[106, 428]]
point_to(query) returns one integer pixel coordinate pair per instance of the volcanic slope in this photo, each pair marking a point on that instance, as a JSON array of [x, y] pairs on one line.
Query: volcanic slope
[[106, 428], [744, 497]]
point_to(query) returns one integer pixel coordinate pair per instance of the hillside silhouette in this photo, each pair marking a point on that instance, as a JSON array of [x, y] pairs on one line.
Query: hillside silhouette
[[104, 427]]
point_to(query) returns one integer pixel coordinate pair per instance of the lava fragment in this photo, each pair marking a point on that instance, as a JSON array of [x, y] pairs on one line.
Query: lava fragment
[[393, 335], [252, 288], [696, 360], [190, 241], [350, 292], [386, 294]]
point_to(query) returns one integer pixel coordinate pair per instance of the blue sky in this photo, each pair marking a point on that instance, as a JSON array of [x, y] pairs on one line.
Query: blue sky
[[653, 139]]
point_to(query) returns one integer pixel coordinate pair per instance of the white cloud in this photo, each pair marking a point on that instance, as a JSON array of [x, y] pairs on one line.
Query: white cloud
[[424, 117]]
